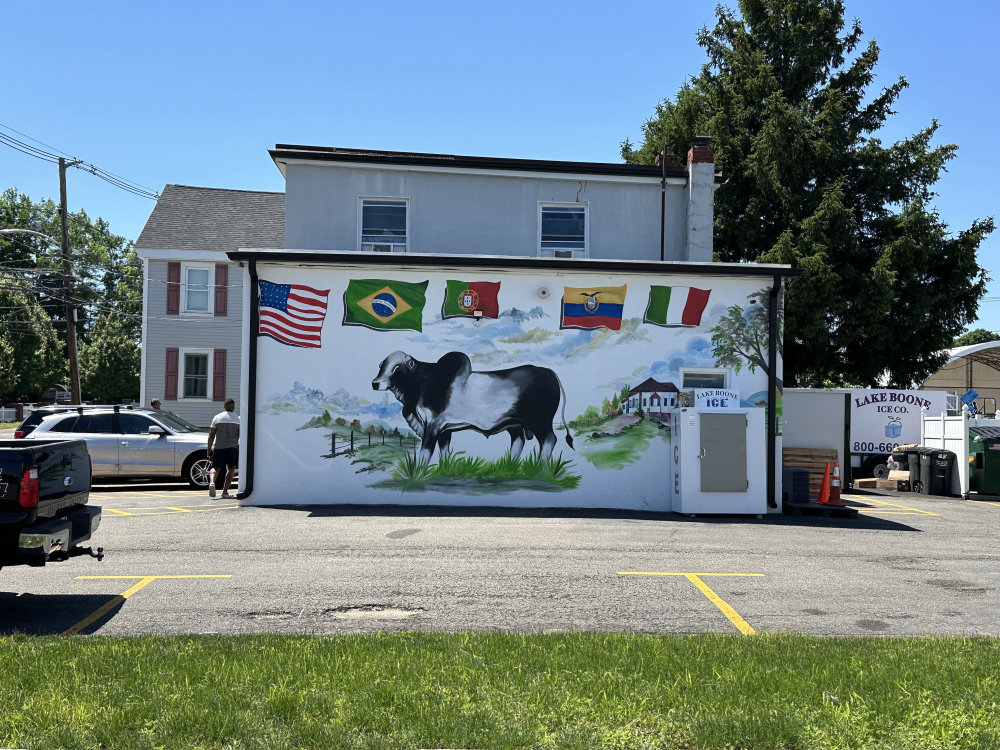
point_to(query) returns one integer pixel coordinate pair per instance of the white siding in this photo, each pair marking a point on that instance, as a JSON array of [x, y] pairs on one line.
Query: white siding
[[487, 214]]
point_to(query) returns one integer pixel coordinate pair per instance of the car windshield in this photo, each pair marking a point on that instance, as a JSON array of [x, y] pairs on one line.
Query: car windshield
[[175, 422]]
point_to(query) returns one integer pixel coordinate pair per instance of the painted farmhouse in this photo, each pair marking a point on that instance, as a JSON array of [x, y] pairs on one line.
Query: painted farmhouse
[[651, 397]]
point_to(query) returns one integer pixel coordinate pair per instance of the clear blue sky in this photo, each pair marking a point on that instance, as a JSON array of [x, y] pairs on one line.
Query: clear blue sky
[[194, 93]]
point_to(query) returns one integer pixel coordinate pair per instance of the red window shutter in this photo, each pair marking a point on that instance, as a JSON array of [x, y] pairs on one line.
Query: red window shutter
[[219, 375], [221, 287], [173, 288], [173, 360]]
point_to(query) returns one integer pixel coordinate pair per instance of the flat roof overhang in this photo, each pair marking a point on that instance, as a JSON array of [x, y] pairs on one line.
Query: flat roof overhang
[[518, 262]]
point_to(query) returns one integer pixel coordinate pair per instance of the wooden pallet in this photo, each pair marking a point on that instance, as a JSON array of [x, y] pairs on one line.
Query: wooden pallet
[[813, 459]]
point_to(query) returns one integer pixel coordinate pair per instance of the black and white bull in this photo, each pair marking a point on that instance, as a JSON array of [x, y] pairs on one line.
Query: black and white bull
[[446, 396]]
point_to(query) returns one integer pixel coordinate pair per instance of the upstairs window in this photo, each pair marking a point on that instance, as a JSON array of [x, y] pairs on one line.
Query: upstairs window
[[563, 230], [196, 289], [384, 224]]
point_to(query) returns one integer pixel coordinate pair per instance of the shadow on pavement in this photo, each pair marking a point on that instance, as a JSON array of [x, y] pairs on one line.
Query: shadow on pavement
[[51, 614], [431, 511]]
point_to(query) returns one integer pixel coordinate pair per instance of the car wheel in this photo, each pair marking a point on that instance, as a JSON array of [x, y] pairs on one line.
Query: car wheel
[[196, 470]]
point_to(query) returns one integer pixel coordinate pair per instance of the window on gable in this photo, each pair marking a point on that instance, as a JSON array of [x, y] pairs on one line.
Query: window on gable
[[196, 289], [383, 224], [563, 230], [195, 375]]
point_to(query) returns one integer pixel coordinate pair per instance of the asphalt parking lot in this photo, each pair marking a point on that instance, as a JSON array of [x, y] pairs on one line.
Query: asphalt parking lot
[[179, 562]]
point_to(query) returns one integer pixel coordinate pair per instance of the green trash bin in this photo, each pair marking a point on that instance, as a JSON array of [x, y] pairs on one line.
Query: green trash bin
[[912, 454], [942, 464], [984, 460], [924, 471]]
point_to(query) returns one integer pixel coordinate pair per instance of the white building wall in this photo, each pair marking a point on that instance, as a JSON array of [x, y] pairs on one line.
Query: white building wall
[[483, 214]]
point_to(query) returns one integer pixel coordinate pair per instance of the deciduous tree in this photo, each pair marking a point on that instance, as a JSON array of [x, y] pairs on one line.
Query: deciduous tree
[[977, 336], [106, 287]]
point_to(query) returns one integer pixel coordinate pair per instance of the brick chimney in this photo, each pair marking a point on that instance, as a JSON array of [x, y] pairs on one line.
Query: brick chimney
[[667, 156], [700, 200]]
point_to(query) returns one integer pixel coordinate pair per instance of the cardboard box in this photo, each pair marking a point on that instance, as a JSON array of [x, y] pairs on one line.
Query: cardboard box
[[898, 485]]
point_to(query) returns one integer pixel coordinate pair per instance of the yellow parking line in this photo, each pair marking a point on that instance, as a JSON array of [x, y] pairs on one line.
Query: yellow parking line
[[120, 599], [733, 616], [916, 511], [700, 575], [157, 495], [983, 502], [154, 510]]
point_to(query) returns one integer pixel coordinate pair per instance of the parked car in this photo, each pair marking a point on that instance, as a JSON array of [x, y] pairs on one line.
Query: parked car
[[139, 443], [44, 491], [34, 418]]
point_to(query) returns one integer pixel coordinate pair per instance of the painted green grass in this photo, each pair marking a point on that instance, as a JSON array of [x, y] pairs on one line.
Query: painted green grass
[[565, 691], [628, 446], [475, 475]]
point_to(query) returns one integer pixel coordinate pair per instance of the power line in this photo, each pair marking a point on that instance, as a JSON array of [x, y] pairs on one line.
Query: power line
[[110, 177], [25, 135]]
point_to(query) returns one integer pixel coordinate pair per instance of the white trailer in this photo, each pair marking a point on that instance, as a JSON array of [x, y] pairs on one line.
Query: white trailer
[[864, 424], [411, 379]]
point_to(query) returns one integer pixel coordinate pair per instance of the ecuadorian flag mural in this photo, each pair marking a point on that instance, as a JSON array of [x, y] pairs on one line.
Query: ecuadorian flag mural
[[593, 307]]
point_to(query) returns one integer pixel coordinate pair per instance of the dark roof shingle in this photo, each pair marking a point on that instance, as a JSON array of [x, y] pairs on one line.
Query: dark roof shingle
[[216, 219]]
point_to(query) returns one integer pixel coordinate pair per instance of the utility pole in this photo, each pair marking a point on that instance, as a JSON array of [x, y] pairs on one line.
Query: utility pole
[[74, 365]]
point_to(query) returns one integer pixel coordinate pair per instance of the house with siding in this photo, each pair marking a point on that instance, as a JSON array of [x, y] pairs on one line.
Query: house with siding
[[192, 311], [342, 199]]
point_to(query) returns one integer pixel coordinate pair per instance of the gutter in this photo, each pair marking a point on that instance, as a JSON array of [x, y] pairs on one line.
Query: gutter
[[772, 389], [251, 421]]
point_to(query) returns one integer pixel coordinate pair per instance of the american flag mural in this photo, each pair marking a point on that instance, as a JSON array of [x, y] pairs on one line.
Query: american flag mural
[[292, 313]]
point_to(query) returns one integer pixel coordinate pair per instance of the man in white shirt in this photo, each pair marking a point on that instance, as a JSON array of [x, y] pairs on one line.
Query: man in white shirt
[[224, 448]]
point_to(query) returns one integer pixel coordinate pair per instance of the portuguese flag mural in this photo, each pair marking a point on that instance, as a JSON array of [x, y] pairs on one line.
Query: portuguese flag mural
[[462, 299]]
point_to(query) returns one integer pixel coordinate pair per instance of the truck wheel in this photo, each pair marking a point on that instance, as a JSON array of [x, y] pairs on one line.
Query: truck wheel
[[196, 470], [880, 470]]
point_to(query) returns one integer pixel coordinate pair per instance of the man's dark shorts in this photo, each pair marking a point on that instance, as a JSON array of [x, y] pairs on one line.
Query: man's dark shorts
[[223, 457]]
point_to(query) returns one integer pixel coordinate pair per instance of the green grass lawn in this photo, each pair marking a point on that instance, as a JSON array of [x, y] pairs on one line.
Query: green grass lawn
[[500, 691], [8, 425]]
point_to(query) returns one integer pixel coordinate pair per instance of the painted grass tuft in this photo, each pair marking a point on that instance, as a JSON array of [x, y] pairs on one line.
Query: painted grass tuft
[[532, 471], [500, 690]]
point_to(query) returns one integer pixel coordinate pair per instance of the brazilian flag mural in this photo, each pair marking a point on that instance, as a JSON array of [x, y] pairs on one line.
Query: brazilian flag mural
[[384, 305]]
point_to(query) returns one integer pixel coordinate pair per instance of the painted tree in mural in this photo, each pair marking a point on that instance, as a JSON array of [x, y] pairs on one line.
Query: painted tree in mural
[[742, 334], [885, 285]]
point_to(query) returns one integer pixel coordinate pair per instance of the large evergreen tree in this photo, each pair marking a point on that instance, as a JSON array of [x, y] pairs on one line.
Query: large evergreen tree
[[885, 286]]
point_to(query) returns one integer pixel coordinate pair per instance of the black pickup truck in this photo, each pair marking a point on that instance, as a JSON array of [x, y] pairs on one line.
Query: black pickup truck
[[44, 490]]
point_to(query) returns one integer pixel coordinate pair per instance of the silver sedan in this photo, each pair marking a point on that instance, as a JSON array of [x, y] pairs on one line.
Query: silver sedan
[[127, 443]]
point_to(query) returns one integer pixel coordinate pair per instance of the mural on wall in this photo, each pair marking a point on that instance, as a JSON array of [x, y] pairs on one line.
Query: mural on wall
[[741, 337], [402, 399]]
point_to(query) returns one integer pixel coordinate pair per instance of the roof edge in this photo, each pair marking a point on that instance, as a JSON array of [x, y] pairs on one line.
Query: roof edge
[[667, 267], [406, 158]]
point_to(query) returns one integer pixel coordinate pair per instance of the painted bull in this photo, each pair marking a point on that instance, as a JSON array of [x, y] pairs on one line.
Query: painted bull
[[446, 396]]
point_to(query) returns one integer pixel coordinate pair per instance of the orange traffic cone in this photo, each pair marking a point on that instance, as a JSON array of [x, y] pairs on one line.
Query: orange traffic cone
[[824, 489], [835, 485]]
